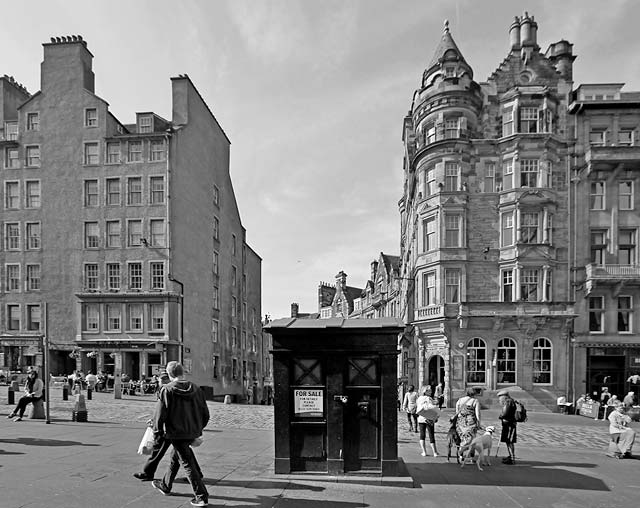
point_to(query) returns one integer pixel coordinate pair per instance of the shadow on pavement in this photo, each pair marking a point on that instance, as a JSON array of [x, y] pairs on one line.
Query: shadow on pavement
[[263, 484], [284, 502], [4, 452], [523, 474], [30, 441]]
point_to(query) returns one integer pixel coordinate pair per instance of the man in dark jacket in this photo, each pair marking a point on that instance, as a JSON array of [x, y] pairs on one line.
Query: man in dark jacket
[[180, 416], [508, 417]]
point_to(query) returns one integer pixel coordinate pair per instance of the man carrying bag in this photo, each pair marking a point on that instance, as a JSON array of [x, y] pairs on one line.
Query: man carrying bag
[[180, 416]]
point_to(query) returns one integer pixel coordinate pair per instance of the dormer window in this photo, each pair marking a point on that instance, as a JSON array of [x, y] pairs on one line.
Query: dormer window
[[449, 72], [145, 124]]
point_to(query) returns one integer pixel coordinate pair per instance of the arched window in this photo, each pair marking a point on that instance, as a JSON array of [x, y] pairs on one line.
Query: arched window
[[506, 366], [542, 361], [476, 361]]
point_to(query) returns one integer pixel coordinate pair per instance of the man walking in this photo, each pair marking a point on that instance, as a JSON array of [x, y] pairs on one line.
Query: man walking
[[508, 417], [180, 416]]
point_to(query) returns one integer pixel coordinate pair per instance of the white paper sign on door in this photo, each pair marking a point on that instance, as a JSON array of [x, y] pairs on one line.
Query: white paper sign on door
[[308, 402]]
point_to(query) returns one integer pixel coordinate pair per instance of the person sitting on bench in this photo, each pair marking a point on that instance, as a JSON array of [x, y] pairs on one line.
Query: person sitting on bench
[[622, 436], [33, 393]]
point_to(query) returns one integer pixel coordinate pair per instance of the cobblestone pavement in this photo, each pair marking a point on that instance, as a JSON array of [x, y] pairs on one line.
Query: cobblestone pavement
[[103, 407], [542, 429]]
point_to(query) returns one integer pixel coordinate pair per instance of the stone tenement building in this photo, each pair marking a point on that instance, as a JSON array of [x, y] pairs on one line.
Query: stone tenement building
[[485, 260], [127, 235], [605, 215]]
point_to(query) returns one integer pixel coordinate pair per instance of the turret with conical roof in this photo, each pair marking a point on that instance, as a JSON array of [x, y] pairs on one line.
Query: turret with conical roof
[[447, 59]]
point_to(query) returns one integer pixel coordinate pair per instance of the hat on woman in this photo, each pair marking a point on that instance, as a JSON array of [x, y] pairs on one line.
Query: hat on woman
[[503, 392]]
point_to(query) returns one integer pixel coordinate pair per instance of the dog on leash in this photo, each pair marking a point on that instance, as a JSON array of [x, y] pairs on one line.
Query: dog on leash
[[453, 440], [479, 449]]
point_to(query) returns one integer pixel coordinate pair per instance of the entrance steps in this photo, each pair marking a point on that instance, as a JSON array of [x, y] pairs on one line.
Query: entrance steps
[[537, 400]]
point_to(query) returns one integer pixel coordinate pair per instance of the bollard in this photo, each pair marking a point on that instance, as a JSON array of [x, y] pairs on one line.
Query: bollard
[[11, 396], [227, 399], [79, 413], [89, 393]]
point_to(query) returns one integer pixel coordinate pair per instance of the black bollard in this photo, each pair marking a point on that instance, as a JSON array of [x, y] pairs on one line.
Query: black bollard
[[65, 391], [11, 396], [89, 393]]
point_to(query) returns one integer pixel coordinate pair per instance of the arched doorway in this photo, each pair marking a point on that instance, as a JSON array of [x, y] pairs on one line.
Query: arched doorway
[[435, 372]]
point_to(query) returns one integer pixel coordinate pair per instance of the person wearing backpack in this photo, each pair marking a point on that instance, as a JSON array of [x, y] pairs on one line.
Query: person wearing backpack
[[509, 425]]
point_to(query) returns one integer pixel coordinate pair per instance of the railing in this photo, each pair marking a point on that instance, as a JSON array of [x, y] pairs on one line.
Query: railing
[[430, 311], [606, 153], [426, 140], [612, 271]]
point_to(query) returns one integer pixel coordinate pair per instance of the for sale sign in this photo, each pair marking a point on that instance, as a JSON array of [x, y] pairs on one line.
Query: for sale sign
[[308, 402]]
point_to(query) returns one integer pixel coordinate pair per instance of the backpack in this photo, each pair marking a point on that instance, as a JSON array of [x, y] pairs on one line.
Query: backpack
[[521, 412]]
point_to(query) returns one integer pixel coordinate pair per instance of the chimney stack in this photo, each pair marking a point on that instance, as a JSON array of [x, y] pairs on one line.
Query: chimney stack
[[514, 33], [294, 310], [374, 270], [67, 64]]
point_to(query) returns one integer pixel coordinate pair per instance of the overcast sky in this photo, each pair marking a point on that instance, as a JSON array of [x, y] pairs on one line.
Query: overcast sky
[[312, 95]]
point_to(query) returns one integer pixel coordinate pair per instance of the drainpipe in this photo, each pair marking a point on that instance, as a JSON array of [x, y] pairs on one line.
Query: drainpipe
[[181, 340]]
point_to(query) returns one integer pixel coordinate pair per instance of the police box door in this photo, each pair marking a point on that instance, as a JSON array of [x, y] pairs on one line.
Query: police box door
[[362, 439]]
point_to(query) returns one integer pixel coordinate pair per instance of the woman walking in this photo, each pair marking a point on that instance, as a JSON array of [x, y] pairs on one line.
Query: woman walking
[[410, 405], [426, 402], [33, 393], [468, 417]]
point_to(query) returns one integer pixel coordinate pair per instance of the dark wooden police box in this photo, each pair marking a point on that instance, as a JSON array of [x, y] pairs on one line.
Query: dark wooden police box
[[335, 400]]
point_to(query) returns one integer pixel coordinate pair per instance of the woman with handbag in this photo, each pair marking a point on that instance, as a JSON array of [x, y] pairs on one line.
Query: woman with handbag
[[468, 413], [427, 417], [409, 405]]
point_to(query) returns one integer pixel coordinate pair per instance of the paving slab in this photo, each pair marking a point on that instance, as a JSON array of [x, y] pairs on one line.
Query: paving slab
[[561, 463]]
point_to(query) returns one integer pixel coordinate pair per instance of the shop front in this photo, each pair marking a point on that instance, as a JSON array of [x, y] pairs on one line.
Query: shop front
[[615, 366], [20, 353]]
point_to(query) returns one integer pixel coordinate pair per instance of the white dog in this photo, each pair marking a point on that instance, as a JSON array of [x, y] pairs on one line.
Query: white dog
[[479, 449]]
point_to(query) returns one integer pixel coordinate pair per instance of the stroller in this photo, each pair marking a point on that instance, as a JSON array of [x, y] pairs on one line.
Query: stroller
[[453, 439]]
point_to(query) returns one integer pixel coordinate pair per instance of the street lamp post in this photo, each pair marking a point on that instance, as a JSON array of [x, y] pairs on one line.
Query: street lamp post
[[181, 345]]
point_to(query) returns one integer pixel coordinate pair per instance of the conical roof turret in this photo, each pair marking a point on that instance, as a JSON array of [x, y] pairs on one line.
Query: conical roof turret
[[447, 51]]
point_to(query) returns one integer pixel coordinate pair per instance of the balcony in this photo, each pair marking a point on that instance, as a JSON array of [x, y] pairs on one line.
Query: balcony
[[442, 135], [607, 158], [9, 132], [430, 312], [613, 272]]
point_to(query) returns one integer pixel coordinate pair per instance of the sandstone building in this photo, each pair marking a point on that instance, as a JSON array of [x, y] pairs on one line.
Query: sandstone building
[[129, 233], [484, 265]]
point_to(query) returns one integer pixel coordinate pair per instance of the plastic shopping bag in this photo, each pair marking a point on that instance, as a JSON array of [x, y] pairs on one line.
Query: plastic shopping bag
[[428, 411], [146, 444]]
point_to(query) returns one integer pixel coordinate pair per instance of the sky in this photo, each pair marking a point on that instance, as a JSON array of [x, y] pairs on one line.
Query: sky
[[312, 95]]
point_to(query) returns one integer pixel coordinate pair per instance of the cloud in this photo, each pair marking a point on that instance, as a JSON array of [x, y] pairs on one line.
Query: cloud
[[282, 31]]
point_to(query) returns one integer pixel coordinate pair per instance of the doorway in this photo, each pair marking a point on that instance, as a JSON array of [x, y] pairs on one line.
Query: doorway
[[435, 372], [362, 438], [131, 364], [606, 371]]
